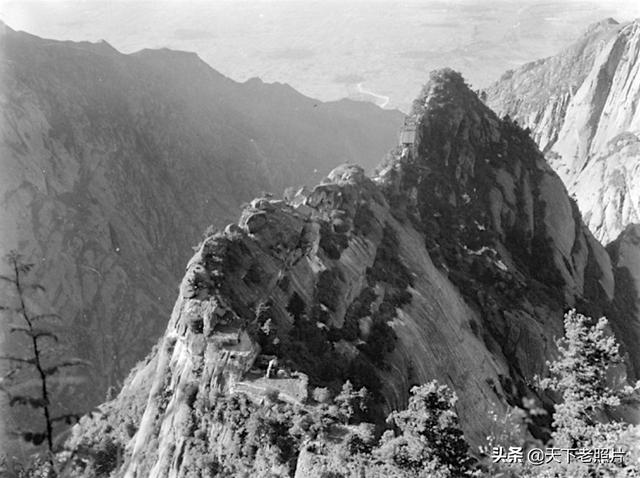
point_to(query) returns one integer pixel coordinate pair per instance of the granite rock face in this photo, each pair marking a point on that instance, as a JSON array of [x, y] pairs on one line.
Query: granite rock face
[[113, 165], [625, 258], [581, 108], [454, 262]]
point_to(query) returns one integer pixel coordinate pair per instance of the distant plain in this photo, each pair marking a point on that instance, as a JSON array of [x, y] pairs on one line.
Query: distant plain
[[379, 51]]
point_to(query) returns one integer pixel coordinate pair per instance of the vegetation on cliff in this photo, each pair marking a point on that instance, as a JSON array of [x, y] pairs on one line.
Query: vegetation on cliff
[[585, 419], [112, 164], [300, 330], [310, 347]]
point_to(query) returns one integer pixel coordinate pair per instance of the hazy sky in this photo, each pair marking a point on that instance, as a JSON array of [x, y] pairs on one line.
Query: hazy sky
[[376, 50]]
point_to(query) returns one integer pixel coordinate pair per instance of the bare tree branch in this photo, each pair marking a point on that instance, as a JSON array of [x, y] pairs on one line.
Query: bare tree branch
[[12, 309], [8, 279], [68, 418], [74, 362], [45, 316], [34, 287], [27, 400], [30, 361], [22, 268], [35, 333]]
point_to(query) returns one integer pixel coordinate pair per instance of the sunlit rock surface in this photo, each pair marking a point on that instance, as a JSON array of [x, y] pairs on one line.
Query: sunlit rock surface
[[582, 108]]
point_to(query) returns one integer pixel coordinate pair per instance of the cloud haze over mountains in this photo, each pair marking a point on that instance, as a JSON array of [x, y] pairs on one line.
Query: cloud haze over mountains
[[387, 46]]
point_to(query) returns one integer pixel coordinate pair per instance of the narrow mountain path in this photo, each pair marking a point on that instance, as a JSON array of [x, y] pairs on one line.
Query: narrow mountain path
[[383, 100]]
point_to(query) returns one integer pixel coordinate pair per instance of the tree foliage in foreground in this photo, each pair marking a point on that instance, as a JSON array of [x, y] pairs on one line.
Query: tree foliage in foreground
[[583, 376], [429, 435], [28, 378], [424, 440], [585, 420]]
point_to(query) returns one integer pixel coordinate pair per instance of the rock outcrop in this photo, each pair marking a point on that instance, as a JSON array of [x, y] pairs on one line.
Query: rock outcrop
[[581, 107], [454, 262], [113, 165], [625, 257]]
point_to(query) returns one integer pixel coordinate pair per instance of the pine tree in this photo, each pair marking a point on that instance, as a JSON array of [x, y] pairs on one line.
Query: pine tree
[[581, 376], [430, 436], [37, 362], [351, 403]]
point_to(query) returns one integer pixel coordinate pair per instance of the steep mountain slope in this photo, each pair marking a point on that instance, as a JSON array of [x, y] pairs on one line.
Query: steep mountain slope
[[455, 262], [625, 257], [582, 109], [112, 165]]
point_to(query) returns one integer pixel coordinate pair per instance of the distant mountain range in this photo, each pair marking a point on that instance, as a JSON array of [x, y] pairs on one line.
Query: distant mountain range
[[113, 165], [582, 108]]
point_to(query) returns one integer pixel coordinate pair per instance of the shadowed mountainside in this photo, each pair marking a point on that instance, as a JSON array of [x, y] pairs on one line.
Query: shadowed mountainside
[[625, 257], [113, 165]]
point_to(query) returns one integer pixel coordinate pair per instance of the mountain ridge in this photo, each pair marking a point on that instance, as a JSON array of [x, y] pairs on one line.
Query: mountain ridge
[[588, 129], [581, 110], [113, 165], [455, 262]]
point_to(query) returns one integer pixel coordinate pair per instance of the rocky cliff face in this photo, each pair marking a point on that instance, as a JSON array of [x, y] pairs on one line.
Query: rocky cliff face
[[113, 165], [454, 262], [625, 257], [581, 107]]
